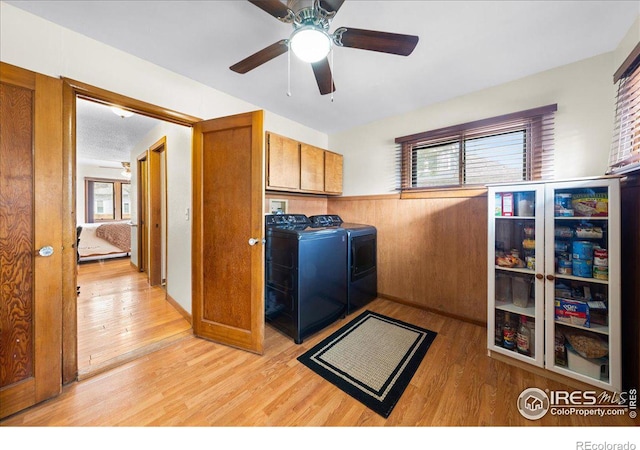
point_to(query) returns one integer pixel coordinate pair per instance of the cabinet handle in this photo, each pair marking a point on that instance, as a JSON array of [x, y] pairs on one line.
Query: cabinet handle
[[550, 277], [539, 276]]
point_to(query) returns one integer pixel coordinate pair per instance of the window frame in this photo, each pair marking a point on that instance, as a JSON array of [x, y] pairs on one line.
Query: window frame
[[117, 199], [531, 122]]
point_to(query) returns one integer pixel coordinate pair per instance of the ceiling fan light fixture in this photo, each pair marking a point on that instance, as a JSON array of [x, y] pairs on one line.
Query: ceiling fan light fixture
[[121, 112], [310, 43]]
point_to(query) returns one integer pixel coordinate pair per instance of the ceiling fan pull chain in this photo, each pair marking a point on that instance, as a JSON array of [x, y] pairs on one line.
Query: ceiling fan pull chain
[[332, 70], [289, 72]]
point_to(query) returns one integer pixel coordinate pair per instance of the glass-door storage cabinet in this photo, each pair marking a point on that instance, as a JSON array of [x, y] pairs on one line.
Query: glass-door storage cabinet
[[516, 266], [554, 277]]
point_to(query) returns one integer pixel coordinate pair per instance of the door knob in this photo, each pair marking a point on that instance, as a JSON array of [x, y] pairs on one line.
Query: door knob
[[46, 251], [253, 241]]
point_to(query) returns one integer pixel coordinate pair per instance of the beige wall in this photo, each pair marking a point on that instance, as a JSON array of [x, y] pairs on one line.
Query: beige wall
[[584, 93], [178, 154], [628, 43]]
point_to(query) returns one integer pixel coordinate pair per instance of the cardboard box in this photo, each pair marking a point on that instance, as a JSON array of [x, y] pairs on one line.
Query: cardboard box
[[573, 312], [507, 204], [498, 204]]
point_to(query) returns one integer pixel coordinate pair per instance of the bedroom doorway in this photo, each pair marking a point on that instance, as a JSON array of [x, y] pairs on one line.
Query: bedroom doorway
[[152, 211]]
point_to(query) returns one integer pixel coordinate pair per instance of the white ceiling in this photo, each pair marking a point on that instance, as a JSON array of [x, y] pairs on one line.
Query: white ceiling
[[104, 136], [464, 46]]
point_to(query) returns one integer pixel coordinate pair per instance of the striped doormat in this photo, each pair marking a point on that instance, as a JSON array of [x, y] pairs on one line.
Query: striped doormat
[[372, 358]]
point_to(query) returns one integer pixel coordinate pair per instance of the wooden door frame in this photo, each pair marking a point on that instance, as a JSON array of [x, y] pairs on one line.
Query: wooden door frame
[[155, 156], [73, 89], [142, 171]]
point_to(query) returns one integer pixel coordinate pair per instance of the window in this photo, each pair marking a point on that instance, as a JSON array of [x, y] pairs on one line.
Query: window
[[126, 201], [107, 200], [625, 149], [510, 148]]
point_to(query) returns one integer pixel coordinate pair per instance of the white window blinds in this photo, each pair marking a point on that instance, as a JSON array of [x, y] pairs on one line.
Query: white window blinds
[[625, 148], [510, 148]]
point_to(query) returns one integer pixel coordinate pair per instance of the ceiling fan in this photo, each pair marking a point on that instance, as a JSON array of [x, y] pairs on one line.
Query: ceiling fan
[[311, 40]]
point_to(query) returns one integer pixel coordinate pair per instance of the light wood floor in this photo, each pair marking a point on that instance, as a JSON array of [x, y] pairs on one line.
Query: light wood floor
[[194, 382], [120, 317]]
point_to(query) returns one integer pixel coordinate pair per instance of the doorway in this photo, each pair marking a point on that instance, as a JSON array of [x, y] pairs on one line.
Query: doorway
[[152, 213], [186, 186], [121, 312], [152, 210]]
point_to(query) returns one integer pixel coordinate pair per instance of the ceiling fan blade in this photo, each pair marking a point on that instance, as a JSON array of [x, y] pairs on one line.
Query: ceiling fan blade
[[331, 5], [261, 57], [377, 41], [322, 71], [273, 7]]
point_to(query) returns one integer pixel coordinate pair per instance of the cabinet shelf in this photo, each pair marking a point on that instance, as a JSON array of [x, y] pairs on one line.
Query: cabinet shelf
[[564, 370], [513, 354], [515, 217], [529, 311], [562, 276], [523, 270], [595, 328], [580, 218]]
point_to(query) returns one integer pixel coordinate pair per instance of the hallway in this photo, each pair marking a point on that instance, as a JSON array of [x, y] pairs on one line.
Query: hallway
[[120, 317]]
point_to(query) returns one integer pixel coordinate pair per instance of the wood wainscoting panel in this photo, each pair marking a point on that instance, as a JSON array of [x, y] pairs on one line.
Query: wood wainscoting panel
[[431, 251]]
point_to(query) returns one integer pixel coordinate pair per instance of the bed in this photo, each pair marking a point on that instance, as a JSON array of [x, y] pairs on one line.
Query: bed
[[104, 240]]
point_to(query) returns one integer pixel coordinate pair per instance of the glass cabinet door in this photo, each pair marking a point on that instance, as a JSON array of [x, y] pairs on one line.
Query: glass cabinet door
[[583, 281], [516, 267]]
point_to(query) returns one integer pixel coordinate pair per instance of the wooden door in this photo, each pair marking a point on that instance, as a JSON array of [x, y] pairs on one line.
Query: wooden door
[[311, 168], [31, 205], [156, 185], [228, 231], [283, 162]]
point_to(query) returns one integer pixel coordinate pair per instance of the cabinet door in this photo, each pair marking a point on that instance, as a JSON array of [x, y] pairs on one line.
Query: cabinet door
[[583, 281], [283, 163], [332, 173], [516, 267], [311, 168]]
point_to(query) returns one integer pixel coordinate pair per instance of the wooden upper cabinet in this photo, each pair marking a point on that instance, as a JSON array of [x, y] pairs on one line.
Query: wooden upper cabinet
[[332, 173], [311, 168], [293, 166], [283, 163]]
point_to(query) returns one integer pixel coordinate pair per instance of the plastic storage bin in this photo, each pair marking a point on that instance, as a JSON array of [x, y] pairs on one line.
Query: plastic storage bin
[[521, 287]]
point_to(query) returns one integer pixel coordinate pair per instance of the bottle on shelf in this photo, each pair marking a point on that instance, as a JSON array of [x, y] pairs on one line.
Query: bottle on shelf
[[523, 337], [498, 327], [508, 333]]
